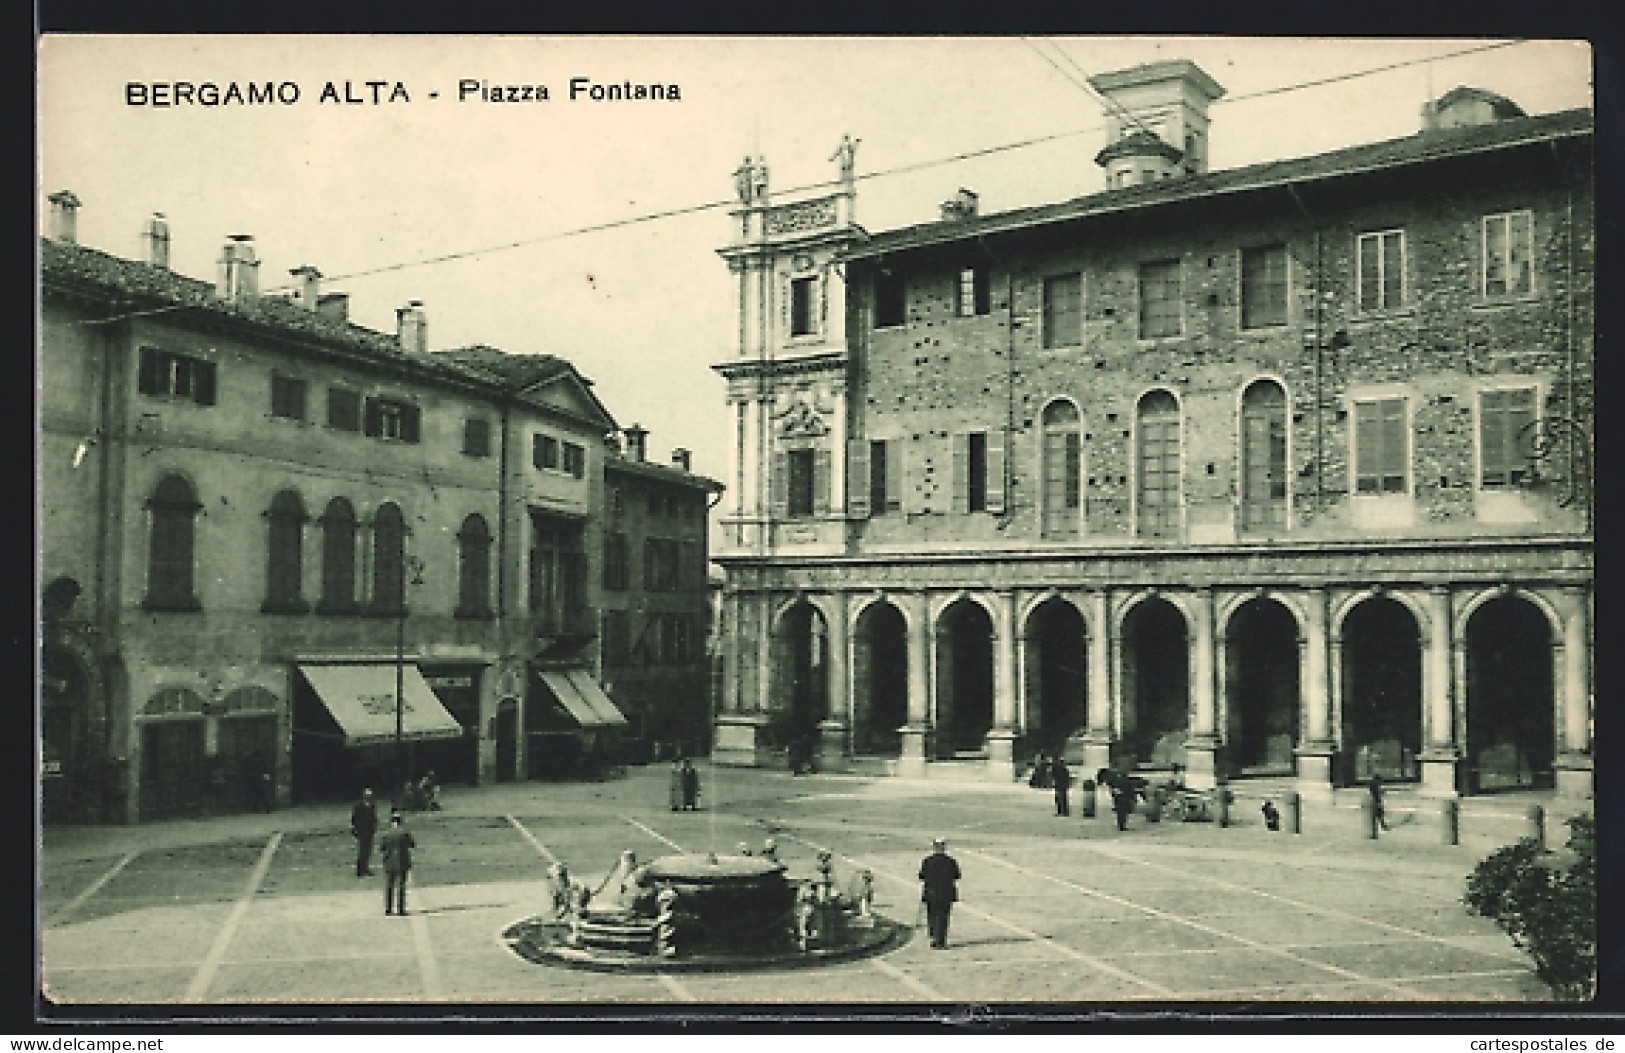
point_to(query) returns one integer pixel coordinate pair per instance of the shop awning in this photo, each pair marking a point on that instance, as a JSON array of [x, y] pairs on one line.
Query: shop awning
[[362, 700], [579, 693]]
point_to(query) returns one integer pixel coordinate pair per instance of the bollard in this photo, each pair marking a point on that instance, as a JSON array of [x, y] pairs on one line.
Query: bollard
[[1535, 825], [1368, 817], [1221, 806], [1449, 826], [1086, 799], [1293, 818]]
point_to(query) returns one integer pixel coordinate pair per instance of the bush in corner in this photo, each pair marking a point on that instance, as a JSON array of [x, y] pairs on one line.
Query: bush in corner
[[1548, 912]]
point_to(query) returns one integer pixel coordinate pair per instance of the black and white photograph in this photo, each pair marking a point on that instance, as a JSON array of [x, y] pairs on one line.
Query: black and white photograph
[[929, 524]]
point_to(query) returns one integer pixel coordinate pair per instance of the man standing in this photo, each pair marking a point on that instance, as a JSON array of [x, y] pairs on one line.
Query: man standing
[[396, 846], [1378, 812], [363, 825], [939, 873], [1063, 782], [1123, 795]]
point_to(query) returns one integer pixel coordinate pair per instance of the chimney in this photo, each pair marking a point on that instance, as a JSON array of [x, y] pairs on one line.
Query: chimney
[[412, 327], [612, 443], [680, 459], [334, 306], [310, 288], [65, 216], [961, 206], [239, 270], [157, 239], [637, 438], [1160, 121]]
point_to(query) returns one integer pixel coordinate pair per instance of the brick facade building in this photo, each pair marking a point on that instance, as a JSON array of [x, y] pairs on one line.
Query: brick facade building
[[1275, 470]]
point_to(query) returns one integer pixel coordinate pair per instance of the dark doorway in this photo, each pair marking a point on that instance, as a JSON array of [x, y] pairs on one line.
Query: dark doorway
[[1057, 655], [172, 769], [965, 679], [1382, 692], [803, 682], [880, 676], [64, 699], [1261, 689], [507, 740], [1156, 685], [1510, 703]]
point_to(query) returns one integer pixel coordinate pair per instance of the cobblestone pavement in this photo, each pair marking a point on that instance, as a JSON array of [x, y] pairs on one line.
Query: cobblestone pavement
[[256, 912]]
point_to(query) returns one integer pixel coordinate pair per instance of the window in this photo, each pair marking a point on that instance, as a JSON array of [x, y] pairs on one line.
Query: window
[[343, 409], [388, 560], [477, 437], [1063, 468], [661, 565], [881, 499], [975, 291], [388, 418], [1263, 456], [617, 562], [558, 576], [1381, 263], [1508, 250], [544, 451], [976, 472], [474, 568], [1503, 442], [167, 374], [1263, 286], [287, 397], [575, 459], [800, 481], [174, 507], [1158, 467], [338, 558], [890, 301], [1063, 310], [616, 637], [1381, 449], [803, 306], [285, 563], [1160, 299]]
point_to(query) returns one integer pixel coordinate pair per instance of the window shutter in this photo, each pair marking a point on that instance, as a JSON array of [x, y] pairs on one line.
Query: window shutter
[[1366, 466], [995, 470], [779, 485], [204, 389], [821, 481], [1395, 445], [410, 419], [857, 479], [959, 475], [1518, 241], [896, 483], [372, 424], [147, 372]]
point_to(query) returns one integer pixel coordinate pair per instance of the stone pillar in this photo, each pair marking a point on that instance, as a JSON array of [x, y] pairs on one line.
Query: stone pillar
[[740, 738], [1573, 694], [1097, 748], [1440, 758], [917, 732], [832, 729], [1315, 752], [1001, 763], [1202, 744]]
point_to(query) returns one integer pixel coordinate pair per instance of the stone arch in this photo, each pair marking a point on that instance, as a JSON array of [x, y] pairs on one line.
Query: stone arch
[[1154, 640], [1380, 677], [965, 628], [1259, 705], [1227, 607], [1124, 606], [1465, 611], [938, 607], [1342, 608], [800, 664], [1509, 692], [879, 641], [819, 603], [861, 604], [1054, 671], [1027, 605]]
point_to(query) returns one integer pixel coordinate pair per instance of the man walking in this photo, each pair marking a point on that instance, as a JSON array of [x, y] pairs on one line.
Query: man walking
[[363, 826], [396, 846], [1377, 811], [1123, 801], [939, 873], [1063, 782]]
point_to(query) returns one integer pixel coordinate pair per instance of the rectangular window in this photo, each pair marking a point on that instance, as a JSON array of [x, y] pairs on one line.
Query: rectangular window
[[168, 374], [387, 418], [803, 306], [976, 472], [617, 562], [1381, 265], [1504, 442], [1263, 286], [575, 459], [877, 479], [544, 451], [343, 409], [974, 292], [287, 397], [890, 301], [477, 437], [800, 467], [615, 642], [1508, 250], [1160, 299], [1381, 447], [1063, 310]]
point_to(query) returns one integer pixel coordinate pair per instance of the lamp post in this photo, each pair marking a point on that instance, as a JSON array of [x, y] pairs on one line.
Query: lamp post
[[411, 574]]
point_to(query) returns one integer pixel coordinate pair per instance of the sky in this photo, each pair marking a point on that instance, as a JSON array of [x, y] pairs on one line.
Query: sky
[[369, 193]]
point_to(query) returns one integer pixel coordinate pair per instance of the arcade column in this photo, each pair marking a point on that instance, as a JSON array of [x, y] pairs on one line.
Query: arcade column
[[916, 733], [832, 729]]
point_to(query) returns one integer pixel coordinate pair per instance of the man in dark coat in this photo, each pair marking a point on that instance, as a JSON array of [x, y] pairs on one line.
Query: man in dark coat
[[939, 874], [690, 786], [396, 846], [1123, 801], [363, 826], [1378, 812], [1063, 782]]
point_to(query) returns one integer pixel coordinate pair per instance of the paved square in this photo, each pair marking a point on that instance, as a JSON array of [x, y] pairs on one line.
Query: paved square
[[266, 909]]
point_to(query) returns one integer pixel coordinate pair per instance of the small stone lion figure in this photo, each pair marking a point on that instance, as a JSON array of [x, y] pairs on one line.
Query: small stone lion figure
[[860, 894]]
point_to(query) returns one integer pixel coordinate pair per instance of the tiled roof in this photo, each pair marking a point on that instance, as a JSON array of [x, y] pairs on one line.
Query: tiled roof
[[513, 371], [664, 472], [1413, 149]]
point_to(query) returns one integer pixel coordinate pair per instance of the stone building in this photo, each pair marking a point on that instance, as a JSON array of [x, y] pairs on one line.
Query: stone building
[[267, 534], [1280, 470]]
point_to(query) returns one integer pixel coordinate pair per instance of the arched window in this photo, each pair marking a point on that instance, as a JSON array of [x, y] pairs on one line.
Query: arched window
[[474, 569], [388, 559], [1263, 456], [1158, 468], [285, 564], [1063, 465], [169, 556], [338, 558]]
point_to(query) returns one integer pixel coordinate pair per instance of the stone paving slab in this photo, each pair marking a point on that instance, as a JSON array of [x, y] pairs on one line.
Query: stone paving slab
[[117, 984], [378, 976]]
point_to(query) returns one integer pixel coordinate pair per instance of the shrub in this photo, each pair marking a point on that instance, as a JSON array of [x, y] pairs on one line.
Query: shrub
[[1550, 913]]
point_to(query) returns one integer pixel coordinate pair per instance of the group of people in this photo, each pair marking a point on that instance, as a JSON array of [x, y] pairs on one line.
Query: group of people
[[395, 845], [684, 792]]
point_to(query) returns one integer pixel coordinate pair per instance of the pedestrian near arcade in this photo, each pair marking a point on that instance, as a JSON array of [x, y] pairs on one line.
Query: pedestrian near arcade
[[396, 847], [674, 788], [939, 877], [363, 827], [1272, 816], [690, 778], [1377, 809], [1123, 802], [1062, 777]]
